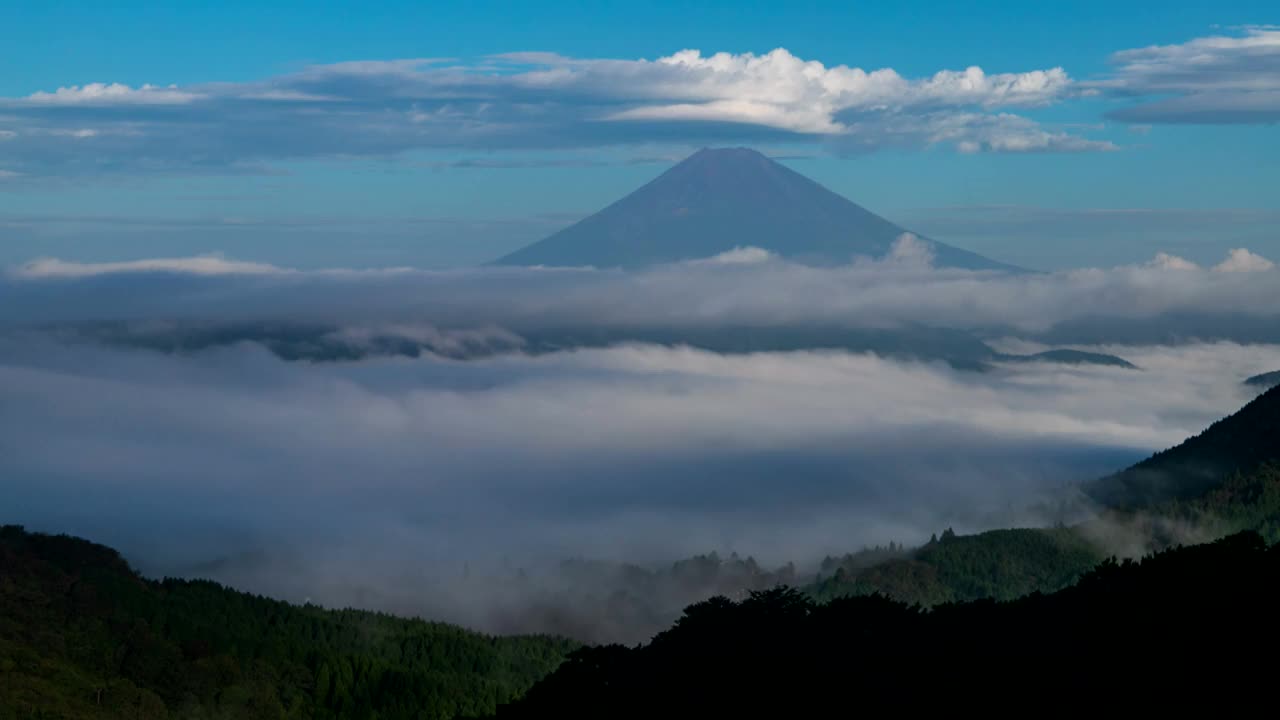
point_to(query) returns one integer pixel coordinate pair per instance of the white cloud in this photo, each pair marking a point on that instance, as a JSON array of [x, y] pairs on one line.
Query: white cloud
[[113, 94], [1216, 79], [750, 289], [780, 90], [910, 250], [741, 256], [747, 112], [78, 133], [1165, 261], [1241, 260], [199, 265], [1216, 63], [539, 101], [1000, 133]]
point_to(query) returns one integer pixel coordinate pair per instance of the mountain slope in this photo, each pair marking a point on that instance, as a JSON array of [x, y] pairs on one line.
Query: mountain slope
[[1239, 443], [82, 635], [1222, 481], [999, 564], [716, 200]]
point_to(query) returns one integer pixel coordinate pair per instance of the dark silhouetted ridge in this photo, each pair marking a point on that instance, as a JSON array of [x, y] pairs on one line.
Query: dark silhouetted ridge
[[1176, 628]]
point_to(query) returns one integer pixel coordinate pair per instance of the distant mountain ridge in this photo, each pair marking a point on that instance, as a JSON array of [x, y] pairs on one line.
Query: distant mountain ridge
[[1265, 381], [717, 200], [1067, 356], [316, 342]]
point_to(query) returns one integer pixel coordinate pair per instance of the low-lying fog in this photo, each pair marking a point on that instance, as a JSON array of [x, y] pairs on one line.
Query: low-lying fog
[[426, 484]]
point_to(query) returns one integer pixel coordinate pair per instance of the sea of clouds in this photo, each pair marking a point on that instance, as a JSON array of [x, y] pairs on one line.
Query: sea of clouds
[[380, 481]]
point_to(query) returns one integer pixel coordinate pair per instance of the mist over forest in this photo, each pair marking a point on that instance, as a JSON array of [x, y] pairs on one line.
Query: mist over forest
[[491, 446]]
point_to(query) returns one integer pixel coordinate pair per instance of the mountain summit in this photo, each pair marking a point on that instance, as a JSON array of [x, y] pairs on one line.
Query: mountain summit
[[720, 199]]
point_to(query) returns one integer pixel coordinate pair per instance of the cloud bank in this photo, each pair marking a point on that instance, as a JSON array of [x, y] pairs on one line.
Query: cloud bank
[[381, 480], [530, 100], [378, 482], [1221, 79], [1241, 260], [200, 265], [746, 286], [523, 100]]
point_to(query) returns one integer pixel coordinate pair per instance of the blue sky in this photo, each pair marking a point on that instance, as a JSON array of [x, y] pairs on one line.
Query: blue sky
[[258, 138]]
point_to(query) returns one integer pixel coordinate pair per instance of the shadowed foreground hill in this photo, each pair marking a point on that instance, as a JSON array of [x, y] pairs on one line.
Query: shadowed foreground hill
[[1181, 626], [83, 636]]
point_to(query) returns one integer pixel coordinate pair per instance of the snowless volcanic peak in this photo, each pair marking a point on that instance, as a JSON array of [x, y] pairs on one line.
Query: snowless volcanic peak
[[720, 199]]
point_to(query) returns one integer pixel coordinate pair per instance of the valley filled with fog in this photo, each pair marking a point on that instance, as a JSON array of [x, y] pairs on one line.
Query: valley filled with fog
[[439, 443]]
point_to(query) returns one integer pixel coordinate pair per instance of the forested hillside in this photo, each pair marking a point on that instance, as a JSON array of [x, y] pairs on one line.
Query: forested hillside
[[1237, 444], [1000, 564], [1224, 480], [83, 636], [599, 601], [1243, 501], [1189, 618]]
